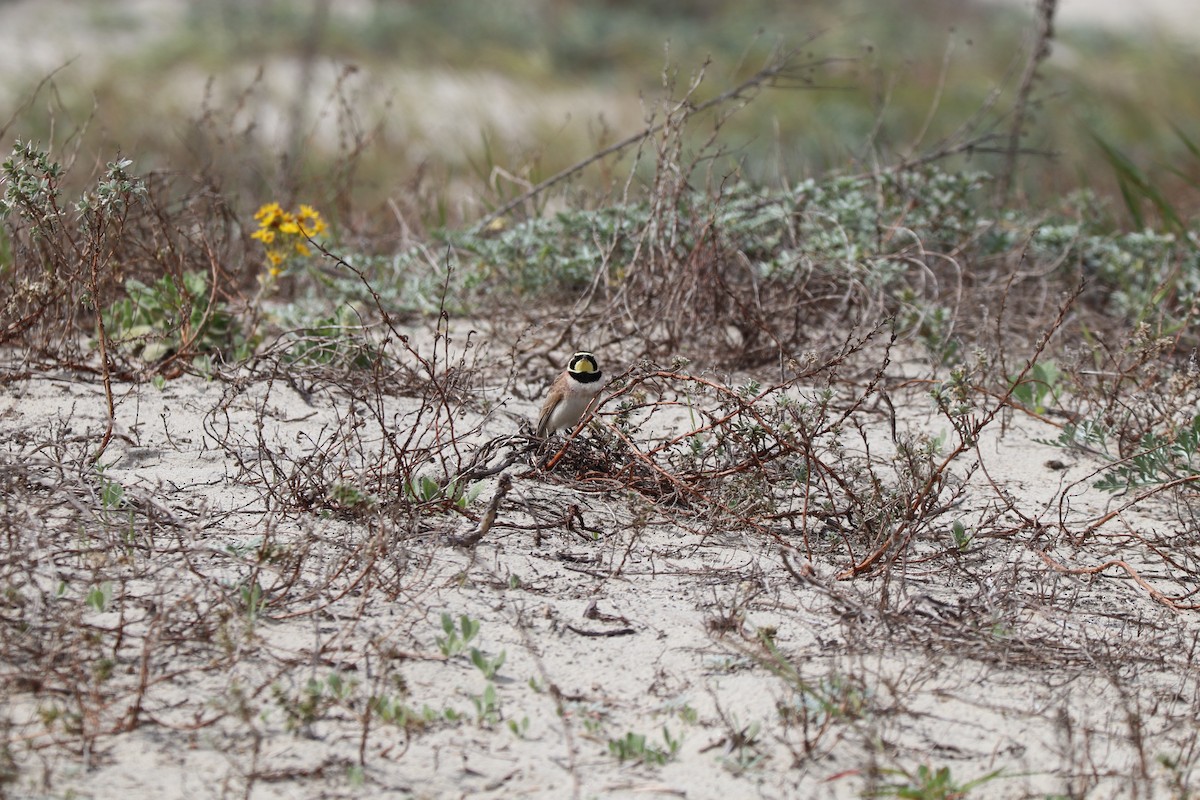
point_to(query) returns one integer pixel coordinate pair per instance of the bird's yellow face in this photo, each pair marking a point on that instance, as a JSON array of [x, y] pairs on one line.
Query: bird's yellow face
[[583, 364]]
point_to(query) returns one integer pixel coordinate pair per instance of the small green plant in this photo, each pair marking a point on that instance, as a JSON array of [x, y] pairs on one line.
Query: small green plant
[[930, 784], [1178, 774], [832, 697], [1160, 457], [253, 601], [98, 597], [592, 716], [488, 665], [1040, 388], [102, 670], [456, 639], [933, 325], [427, 490], [314, 700], [1137, 187], [962, 539], [10, 771], [243, 548], [742, 752], [487, 706], [112, 494], [174, 315], [955, 399], [634, 747], [1084, 435], [49, 714], [395, 711], [519, 729], [682, 709], [30, 180], [335, 340], [347, 497]]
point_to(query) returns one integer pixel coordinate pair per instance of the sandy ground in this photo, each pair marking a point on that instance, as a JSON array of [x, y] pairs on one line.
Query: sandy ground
[[616, 615], [1174, 17], [153, 668]]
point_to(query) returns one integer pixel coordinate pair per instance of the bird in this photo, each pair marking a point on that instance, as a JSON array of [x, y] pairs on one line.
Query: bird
[[571, 394]]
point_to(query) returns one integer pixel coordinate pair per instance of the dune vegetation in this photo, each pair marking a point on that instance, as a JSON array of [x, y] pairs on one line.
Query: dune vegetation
[[890, 492]]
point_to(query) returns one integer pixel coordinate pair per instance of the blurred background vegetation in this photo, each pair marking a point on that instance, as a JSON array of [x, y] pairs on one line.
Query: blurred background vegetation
[[431, 113]]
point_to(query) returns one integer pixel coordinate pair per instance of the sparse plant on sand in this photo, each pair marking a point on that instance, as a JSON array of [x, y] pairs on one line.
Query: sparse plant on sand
[[175, 317], [1040, 388], [927, 783], [457, 637], [394, 711], [488, 665], [487, 706], [636, 747], [304, 709]]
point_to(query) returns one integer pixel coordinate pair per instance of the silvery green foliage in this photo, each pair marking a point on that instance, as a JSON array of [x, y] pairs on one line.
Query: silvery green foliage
[[852, 226], [31, 191], [31, 181], [113, 192], [884, 233]]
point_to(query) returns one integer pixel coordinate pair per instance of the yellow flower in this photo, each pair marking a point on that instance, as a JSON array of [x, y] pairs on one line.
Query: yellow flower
[[268, 215], [285, 233], [310, 221], [289, 225]]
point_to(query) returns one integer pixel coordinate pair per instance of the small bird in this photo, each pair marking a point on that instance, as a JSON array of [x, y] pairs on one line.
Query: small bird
[[571, 395]]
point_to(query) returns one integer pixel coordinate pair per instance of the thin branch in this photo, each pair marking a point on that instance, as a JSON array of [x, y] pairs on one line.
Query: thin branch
[[767, 76], [1039, 53]]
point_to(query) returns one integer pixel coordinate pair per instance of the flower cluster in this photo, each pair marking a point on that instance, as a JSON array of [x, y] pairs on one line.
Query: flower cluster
[[286, 234]]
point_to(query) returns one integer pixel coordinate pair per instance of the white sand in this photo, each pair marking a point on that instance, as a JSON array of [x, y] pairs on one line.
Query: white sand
[[1180, 18], [983, 661]]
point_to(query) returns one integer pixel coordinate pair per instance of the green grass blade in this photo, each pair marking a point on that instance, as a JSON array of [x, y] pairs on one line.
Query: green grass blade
[[1136, 186]]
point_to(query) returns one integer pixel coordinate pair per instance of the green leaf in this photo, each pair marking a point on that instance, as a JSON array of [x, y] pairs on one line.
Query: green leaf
[[470, 627], [99, 597], [1136, 186]]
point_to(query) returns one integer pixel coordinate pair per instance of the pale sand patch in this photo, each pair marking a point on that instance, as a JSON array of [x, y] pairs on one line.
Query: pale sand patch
[[987, 660], [1177, 18]]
